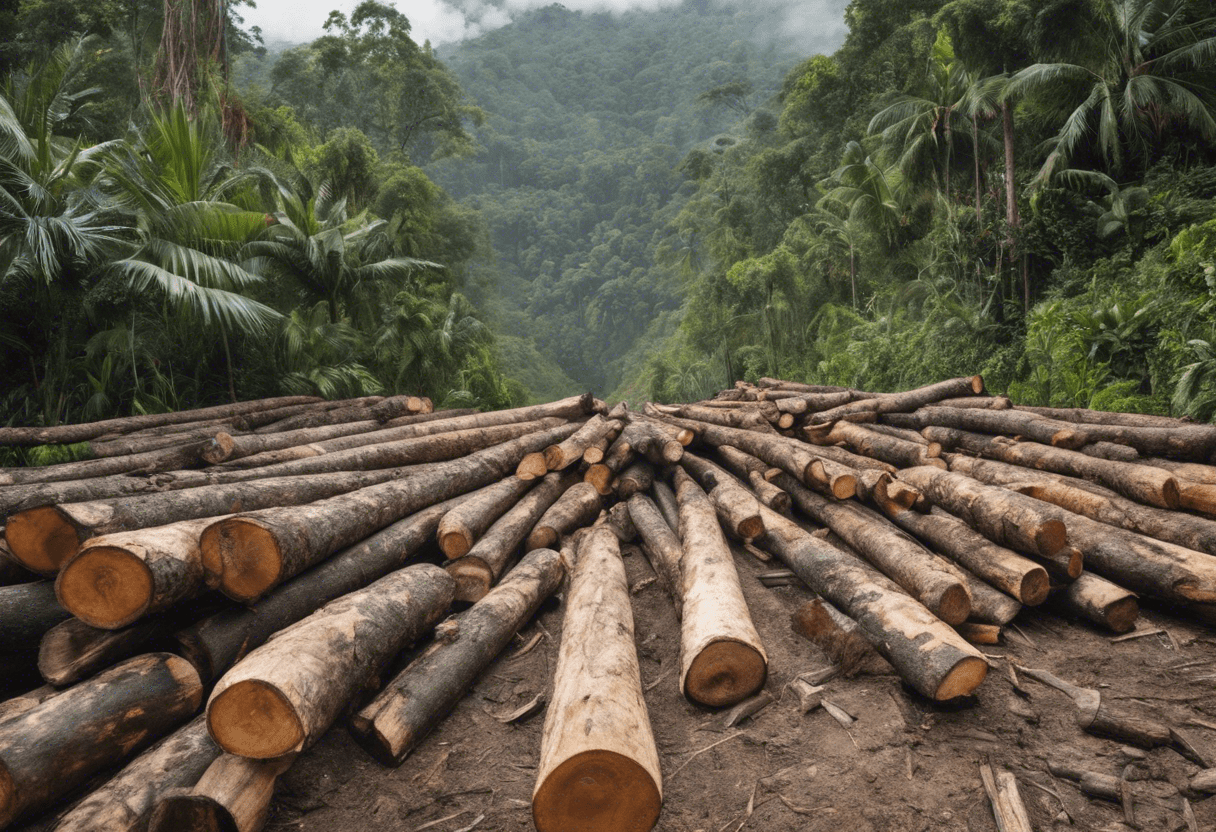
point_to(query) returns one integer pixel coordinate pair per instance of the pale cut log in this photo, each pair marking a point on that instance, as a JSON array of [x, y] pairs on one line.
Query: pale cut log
[[661, 547], [800, 403], [578, 506], [1083, 416], [1001, 422], [127, 445], [737, 508], [977, 632], [906, 401], [989, 605], [285, 694], [1193, 471], [595, 453], [983, 402], [1110, 450], [166, 459], [460, 527], [647, 439], [620, 453], [833, 632], [618, 521], [247, 555], [769, 494], [395, 406], [743, 465], [744, 418], [1194, 443], [599, 768], [53, 747], [722, 660], [64, 434], [27, 611], [1142, 483], [232, 795], [682, 434], [929, 578], [889, 449], [843, 456], [1007, 806], [10, 708], [217, 642], [1098, 600], [932, 449], [797, 386], [126, 802], [114, 580], [1008, 571], [1197, 496], [600, 477], [872, 486], [532, 466], [665, 499], [925, 651], [424, 693], [72, 650], [635, 479], [562, 455], [833, 479]]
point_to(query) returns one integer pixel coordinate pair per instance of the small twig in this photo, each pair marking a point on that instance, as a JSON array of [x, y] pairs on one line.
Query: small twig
[[657, 681], [441, 820], [478, 820], [1051, 792], [1025, 637], [1199, 723], [1137, 634], [696, 754], [797, 810], [529, 645]]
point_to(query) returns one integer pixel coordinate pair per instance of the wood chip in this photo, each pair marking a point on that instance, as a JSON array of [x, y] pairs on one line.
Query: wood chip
[[532, 706], [838, 713], [642, 584], [1137, 634], [440, 820], [528, 646], [758, 554], [748, 708]]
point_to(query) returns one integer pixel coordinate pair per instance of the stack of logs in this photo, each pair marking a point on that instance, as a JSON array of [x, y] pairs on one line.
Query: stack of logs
[[261, 562]]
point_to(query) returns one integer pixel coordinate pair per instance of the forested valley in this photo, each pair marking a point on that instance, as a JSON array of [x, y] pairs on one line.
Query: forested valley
[[651, 204]]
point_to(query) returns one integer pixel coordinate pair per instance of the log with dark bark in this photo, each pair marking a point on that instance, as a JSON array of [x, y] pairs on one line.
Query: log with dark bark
[[249, 554], [27, 611], [425, 692], [53, 747], [833, 632], [661, 547], [665, 499], [1098, 600], [232, 795], [72, 650], [285, 694], [460, 527], [927, 577], [476, 572], [988, 605], [1007, 422], [743, 465], [722, 660], [889, 449], [10, 708], [904, 402], [1100, 715], [1109, 450], [599, 768], [136, 444], [926, 652], [126, 802], [578, 506], [188, 455]]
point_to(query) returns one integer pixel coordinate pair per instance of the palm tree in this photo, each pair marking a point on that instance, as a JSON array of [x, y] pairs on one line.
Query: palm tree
[[865, 189]]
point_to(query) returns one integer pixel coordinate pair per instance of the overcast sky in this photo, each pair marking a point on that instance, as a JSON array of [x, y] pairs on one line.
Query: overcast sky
[[442, 22]]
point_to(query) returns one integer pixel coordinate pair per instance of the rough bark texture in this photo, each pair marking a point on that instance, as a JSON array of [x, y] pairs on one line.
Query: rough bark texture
[[1007, 422], [649, 440], [743, 418], [904, 402], [166, 459], [578, 506], [1083, 416], [889, 449], [27, 611], [661, 547], [989, 605], [599, 768], [425, 692], [232, 795], [722, 660], [72, 650], [460, 527], [284, 695], [570, 450], [738, 507], [926, 652], [635, 479], [665, 499], [53, 747], [1098, 600]]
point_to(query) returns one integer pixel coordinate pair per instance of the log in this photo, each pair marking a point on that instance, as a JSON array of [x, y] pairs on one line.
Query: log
[[249, 554], [1109, 450], [1007, 806], [737, 507], [413, 703], [1084, 416], [578, 506], [797, 386], [562, 455], [595, 453], [635, 479], [1192, 471], [27, 611], [284, 695], [743, 418], [72, 650], [476, 572], [10, 708], [932, 449], [769, 494], [926, 652], [460, 527], [232, 795], [216, 643], [53, 747], [617, 521], [904, 402], [599, 768], [126, 802], [1098, 600], [889, 449], [833, 632], [976, 632], [616, 459], [847, 458], [743, 465], [722, 660], [989, 605], [665, 499], [982, 402], [188, 455], [800, 403], [1007, 422], [1097, 715], [661, 547], [65, 434], [646, 438], [927, 577], [138, 444]]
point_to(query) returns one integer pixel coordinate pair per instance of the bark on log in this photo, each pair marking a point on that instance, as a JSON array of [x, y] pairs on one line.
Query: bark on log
[[128, 445], [126, 802], [1007, 806], [801, 403], [737, 507], [979, 633], [232, 795], [926, 652], [722, 660], [1083, 416], [665, 499], [578, 505], [27, 611], [743, 465], [285, 694], [72, 650], [635, 479], [150, 462], [661, 547], [477, 571], [904, 402], [1098, 600], [742, 418], [652, 442], [570, 450], [1008, 422], [983, 402], [617, 521], [53, 747], [1109, 450], [930, 579], [797, 386], [464, 524], [989, 605], [1192, 471], [889, 449], [833, 632], [425, 692], [599, 768], [933, 449], [250, 554], [769, 494], [10, 708], [216, 643]]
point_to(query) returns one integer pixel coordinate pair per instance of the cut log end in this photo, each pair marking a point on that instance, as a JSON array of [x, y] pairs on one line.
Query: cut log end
[[750, 527], [219, 449], [41, 539], [597, 791], [1050, 537], [253, 719], [977, 385], [954, 606], [542, 537], [725, 673], [456, 544], [181, 809], [532, 467], [844, 486], [241, 557], [1122, 614], [1034, 587], [473, 578], [962, 679], [105, 587]]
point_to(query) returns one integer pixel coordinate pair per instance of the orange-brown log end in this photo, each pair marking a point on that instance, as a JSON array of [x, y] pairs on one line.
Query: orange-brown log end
[[455, 543], [962, 679], [977, 384], [1035, 587], [105, 587], [532, 467], [725, 673], [749, 528], [473, 578], [1069, 439], [542, 537], [1121, 615], [254, 719], [240, 557], [600, 477], [597, 791], [1050, 537], [954, 605], [218, 449], [41, 539]]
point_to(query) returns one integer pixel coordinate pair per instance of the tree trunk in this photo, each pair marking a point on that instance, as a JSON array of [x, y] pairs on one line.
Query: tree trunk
[[1083, 416], [167, 459], [599, 769], [570, 450], [743, 465], [249, 554], [903, 402], [126, 802], [926, 652], [285, 694], [722, 660], [1009, 422], [738, 508], [989, 605], [53, 747], [833, 632], [665, 499], [652, 442], [661, 547], [890, 449], [477, 571], [464, 524], [578, 506], [742, 418], [635, 479], [1098, 600], [427, 691], [72, 650], [232, 795], [216, 643], [27, 611]]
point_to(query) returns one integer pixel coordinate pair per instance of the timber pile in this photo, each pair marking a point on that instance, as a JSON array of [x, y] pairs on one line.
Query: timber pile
[[209, 592]]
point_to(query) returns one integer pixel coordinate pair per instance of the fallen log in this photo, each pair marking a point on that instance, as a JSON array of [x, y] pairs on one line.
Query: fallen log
[[722, 660], [232, 795], [661, 547], [249, 554], [460, 527], [932, 449], [833, 632], [800, 403], [137, 444], [665, 499], [769, 494], [562, 455], [737, 508], [903, 402], [989, 605], [1098, 600], [425, 692], [635, 479], [1192, 471], [616, 459], [476, 572], [618, 521], [926, 652], [1001, 422], [72, 650], [149, 462], [1083, 416], [216, 643], [647, 439], [282, 696], [927, 577], [10, 708], [599, 768], [743, 465], [976, 632], [742, 418], [578, 506], [126, 802], [797, 386], [889, 449], [27, 611], [1109, 450], [1007, 806], [55, 746]]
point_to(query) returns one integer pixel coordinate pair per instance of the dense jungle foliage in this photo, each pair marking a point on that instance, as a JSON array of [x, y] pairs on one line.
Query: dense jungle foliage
[[649, 204]]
